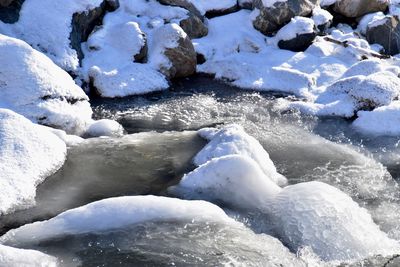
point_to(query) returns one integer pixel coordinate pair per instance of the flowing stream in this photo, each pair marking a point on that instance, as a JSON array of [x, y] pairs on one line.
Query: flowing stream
[[158, 149]]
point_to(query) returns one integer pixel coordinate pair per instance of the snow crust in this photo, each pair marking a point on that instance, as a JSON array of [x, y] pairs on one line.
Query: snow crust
[[49, 32], [14, 257], [114, 213], [32, 85], [29, 153], [233, 140]]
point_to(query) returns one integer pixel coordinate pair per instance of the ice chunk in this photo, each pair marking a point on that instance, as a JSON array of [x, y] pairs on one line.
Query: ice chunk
[[233, 140], [105, 127], [14, 257]]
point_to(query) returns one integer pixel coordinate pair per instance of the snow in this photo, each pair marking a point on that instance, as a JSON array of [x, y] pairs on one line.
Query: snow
[[14, 257], [233, 140], [29, 153], [321, 16], [49, 32], [109, 59], [32, 85], [204, 6], [296, 26], [114, 213], [105, 127], [228, 179], [368, 20], [325, 3], [383, 120], [311, 214]]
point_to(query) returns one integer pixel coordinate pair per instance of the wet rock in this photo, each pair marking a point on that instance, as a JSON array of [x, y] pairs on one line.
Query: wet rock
[[177, 47], [357, 8], [194, 26], [272, 18], [9, 10], [385, 32]]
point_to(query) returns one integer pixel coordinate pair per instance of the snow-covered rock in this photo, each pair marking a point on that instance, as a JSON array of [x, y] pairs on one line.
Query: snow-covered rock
[[385, 31], [233, 140], [29, 153], [47, 26], [114, 213], [105, 127], [14, 257], [172, 52], [357, 8], [297, 35], [273, 14], [322, 19], [203, 6], [367, 19], [32, 85]]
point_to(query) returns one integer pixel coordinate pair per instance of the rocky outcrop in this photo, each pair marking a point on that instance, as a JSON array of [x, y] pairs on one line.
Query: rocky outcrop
[[194, 26], [357, 8], [272, 18], [179, 51], [385, 32]]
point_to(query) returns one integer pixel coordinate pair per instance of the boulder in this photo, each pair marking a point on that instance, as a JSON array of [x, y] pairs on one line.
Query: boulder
[[9, 10], [184, 4], [357, 8], [194, 26], [32, 85], [297, 35], [386, 32], [272, 17], [172, 52]]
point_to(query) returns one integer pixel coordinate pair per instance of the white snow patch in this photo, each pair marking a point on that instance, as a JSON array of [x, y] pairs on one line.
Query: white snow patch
[[14, 257], [46, 25], [105, 127], [233, 140], [29, 153], [32, 85]]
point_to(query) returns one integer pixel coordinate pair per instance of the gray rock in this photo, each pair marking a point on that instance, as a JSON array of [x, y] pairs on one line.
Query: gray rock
[[298, 44], [357, 8], [245, 4], [84, 23], [194, 26], [386, 34], [273, 18], [9, 10]]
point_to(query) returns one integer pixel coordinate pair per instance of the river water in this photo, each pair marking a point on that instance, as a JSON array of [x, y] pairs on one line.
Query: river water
[[158, 149]]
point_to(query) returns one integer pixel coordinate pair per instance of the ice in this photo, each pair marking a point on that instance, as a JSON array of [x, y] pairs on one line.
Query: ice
[[233, 140], [29, 154], [32, 85], [105, 127]]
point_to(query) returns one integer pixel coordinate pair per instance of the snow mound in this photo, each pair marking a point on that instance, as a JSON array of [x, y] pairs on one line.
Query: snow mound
[[381, 121], [47, 24], [14, 257], [228, 179], [297, 25], [105, 127], [114, 213], [233, 140], [29, 153], [32, 85], [326, 219]]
